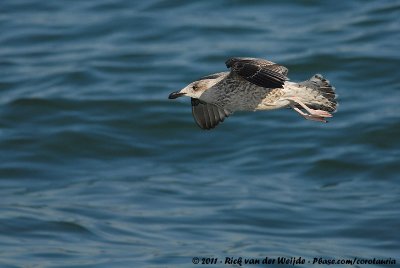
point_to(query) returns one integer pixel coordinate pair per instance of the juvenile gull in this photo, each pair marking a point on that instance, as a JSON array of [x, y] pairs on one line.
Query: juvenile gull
[[256, 84]]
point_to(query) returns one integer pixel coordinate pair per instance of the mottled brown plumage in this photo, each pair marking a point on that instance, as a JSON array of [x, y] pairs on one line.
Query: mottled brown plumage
[[256, 84]]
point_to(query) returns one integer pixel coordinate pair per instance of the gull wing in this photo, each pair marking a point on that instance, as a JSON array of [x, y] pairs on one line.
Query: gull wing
[[207, 115], [260, 72]]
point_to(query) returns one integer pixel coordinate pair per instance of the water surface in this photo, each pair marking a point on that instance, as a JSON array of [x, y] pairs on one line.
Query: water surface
[[99, 169]]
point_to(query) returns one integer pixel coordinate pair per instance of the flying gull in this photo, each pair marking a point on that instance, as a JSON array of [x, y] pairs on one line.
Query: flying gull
[[256, 84]]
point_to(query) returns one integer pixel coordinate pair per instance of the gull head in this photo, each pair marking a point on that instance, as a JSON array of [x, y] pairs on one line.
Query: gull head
[[198, 87]]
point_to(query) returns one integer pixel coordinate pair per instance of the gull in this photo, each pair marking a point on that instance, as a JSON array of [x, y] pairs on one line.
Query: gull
[[254, 84]]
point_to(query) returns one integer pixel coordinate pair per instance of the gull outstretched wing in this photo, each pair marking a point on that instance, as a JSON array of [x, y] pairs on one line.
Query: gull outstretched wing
[[260, 72], [207, 115]]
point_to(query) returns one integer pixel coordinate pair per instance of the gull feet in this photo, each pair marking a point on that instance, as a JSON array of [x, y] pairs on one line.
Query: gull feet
[[315, 118], [313, 115], [320, 113]]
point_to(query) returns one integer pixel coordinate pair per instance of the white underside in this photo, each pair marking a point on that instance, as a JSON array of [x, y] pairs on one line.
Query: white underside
[[284, 97], [281, 98]]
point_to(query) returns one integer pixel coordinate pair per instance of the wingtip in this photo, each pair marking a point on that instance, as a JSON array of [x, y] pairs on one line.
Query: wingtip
[[207, 116]]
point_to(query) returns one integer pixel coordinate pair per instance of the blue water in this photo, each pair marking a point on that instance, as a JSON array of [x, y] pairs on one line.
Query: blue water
[[99, 169]]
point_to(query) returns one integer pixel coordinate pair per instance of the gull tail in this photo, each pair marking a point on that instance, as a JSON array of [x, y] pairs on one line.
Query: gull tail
[[321, 94]]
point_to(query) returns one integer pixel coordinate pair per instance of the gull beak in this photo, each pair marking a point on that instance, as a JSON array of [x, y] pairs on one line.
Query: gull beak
[[175, 95]]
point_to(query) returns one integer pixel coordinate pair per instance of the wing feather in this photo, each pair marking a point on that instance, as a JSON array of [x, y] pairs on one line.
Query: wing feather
[[260, 72], [206, 115]]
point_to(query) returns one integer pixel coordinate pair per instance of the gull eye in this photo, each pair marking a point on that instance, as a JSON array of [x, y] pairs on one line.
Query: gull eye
[[195, 87]]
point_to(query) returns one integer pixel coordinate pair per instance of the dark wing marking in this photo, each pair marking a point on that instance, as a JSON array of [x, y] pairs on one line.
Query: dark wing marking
[[276, 67], [207, 115], [279, 69], [260, 72]]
